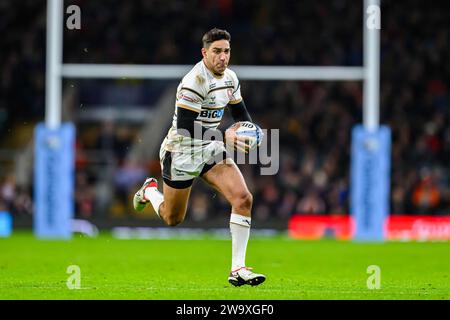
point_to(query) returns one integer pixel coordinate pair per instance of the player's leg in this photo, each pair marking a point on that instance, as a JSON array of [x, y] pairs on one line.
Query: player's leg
[[173, 209], [226, 177], [170, 206]]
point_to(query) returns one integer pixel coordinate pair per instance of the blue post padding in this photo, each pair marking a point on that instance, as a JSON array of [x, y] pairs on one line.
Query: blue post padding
[[54, 181], [5, 224], [370, 182]]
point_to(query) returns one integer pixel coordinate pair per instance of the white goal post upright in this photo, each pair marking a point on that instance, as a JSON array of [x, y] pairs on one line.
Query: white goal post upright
[[371, 85], [371, 143], [53, 94], [54, 161], [57, 70]]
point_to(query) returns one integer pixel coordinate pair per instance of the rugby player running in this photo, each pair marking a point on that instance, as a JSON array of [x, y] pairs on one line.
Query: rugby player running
[[193, 148]]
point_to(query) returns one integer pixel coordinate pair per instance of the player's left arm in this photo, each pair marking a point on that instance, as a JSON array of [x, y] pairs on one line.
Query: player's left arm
[[239, 111]]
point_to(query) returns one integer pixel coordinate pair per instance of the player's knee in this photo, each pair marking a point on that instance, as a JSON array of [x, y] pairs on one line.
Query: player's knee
[[244, 201], [171, 215], [174, 220]]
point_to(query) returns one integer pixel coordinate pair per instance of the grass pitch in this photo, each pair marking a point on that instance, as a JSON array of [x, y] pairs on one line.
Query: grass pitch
[[198, 269]]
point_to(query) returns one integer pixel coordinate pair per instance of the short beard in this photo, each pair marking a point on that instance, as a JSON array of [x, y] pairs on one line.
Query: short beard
[[219, 73]]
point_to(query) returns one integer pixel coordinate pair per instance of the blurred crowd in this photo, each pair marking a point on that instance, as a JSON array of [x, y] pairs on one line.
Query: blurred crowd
[[314, 118]]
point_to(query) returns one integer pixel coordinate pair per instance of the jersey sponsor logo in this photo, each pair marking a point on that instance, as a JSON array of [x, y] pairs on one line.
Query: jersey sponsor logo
[[211, 114]]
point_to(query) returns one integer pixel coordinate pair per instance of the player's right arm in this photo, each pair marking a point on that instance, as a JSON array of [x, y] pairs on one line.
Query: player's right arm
[[190, 96], [188, 127]]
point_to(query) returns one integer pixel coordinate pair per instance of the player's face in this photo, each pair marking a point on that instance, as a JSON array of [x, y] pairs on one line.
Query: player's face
[[217, 56]]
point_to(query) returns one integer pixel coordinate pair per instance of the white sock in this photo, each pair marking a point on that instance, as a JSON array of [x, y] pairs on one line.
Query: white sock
[[240, 233], [155, 197]]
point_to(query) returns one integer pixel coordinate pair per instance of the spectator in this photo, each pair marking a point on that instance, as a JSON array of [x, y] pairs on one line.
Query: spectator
[[315, 119]]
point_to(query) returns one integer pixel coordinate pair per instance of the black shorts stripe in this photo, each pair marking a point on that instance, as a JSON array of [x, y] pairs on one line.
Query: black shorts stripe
[[167, 165], [219, 158], [178, 184], [167, 175]]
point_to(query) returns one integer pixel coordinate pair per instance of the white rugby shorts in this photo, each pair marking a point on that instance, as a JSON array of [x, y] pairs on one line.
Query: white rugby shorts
[[179, 168]]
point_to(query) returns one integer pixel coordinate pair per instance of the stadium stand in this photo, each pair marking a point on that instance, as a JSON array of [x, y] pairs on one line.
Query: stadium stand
[[315, 137]]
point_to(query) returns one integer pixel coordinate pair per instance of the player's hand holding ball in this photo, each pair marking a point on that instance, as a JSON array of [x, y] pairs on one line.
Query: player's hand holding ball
[[244, 136]]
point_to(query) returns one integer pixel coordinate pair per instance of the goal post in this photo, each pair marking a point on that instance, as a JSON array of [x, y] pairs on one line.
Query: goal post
[[54, 161], [368, 74], [371, 144]]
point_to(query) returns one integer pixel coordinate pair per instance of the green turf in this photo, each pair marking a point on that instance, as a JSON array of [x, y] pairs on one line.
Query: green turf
[[198, 269]]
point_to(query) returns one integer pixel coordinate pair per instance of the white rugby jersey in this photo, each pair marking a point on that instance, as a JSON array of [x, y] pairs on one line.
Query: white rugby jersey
[[203, 92]]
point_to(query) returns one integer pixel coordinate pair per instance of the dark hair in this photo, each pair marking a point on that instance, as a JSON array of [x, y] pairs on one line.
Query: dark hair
[[214, 35]]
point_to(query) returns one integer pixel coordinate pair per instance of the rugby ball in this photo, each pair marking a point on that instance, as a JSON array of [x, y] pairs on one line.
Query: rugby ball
[[252, 132]]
